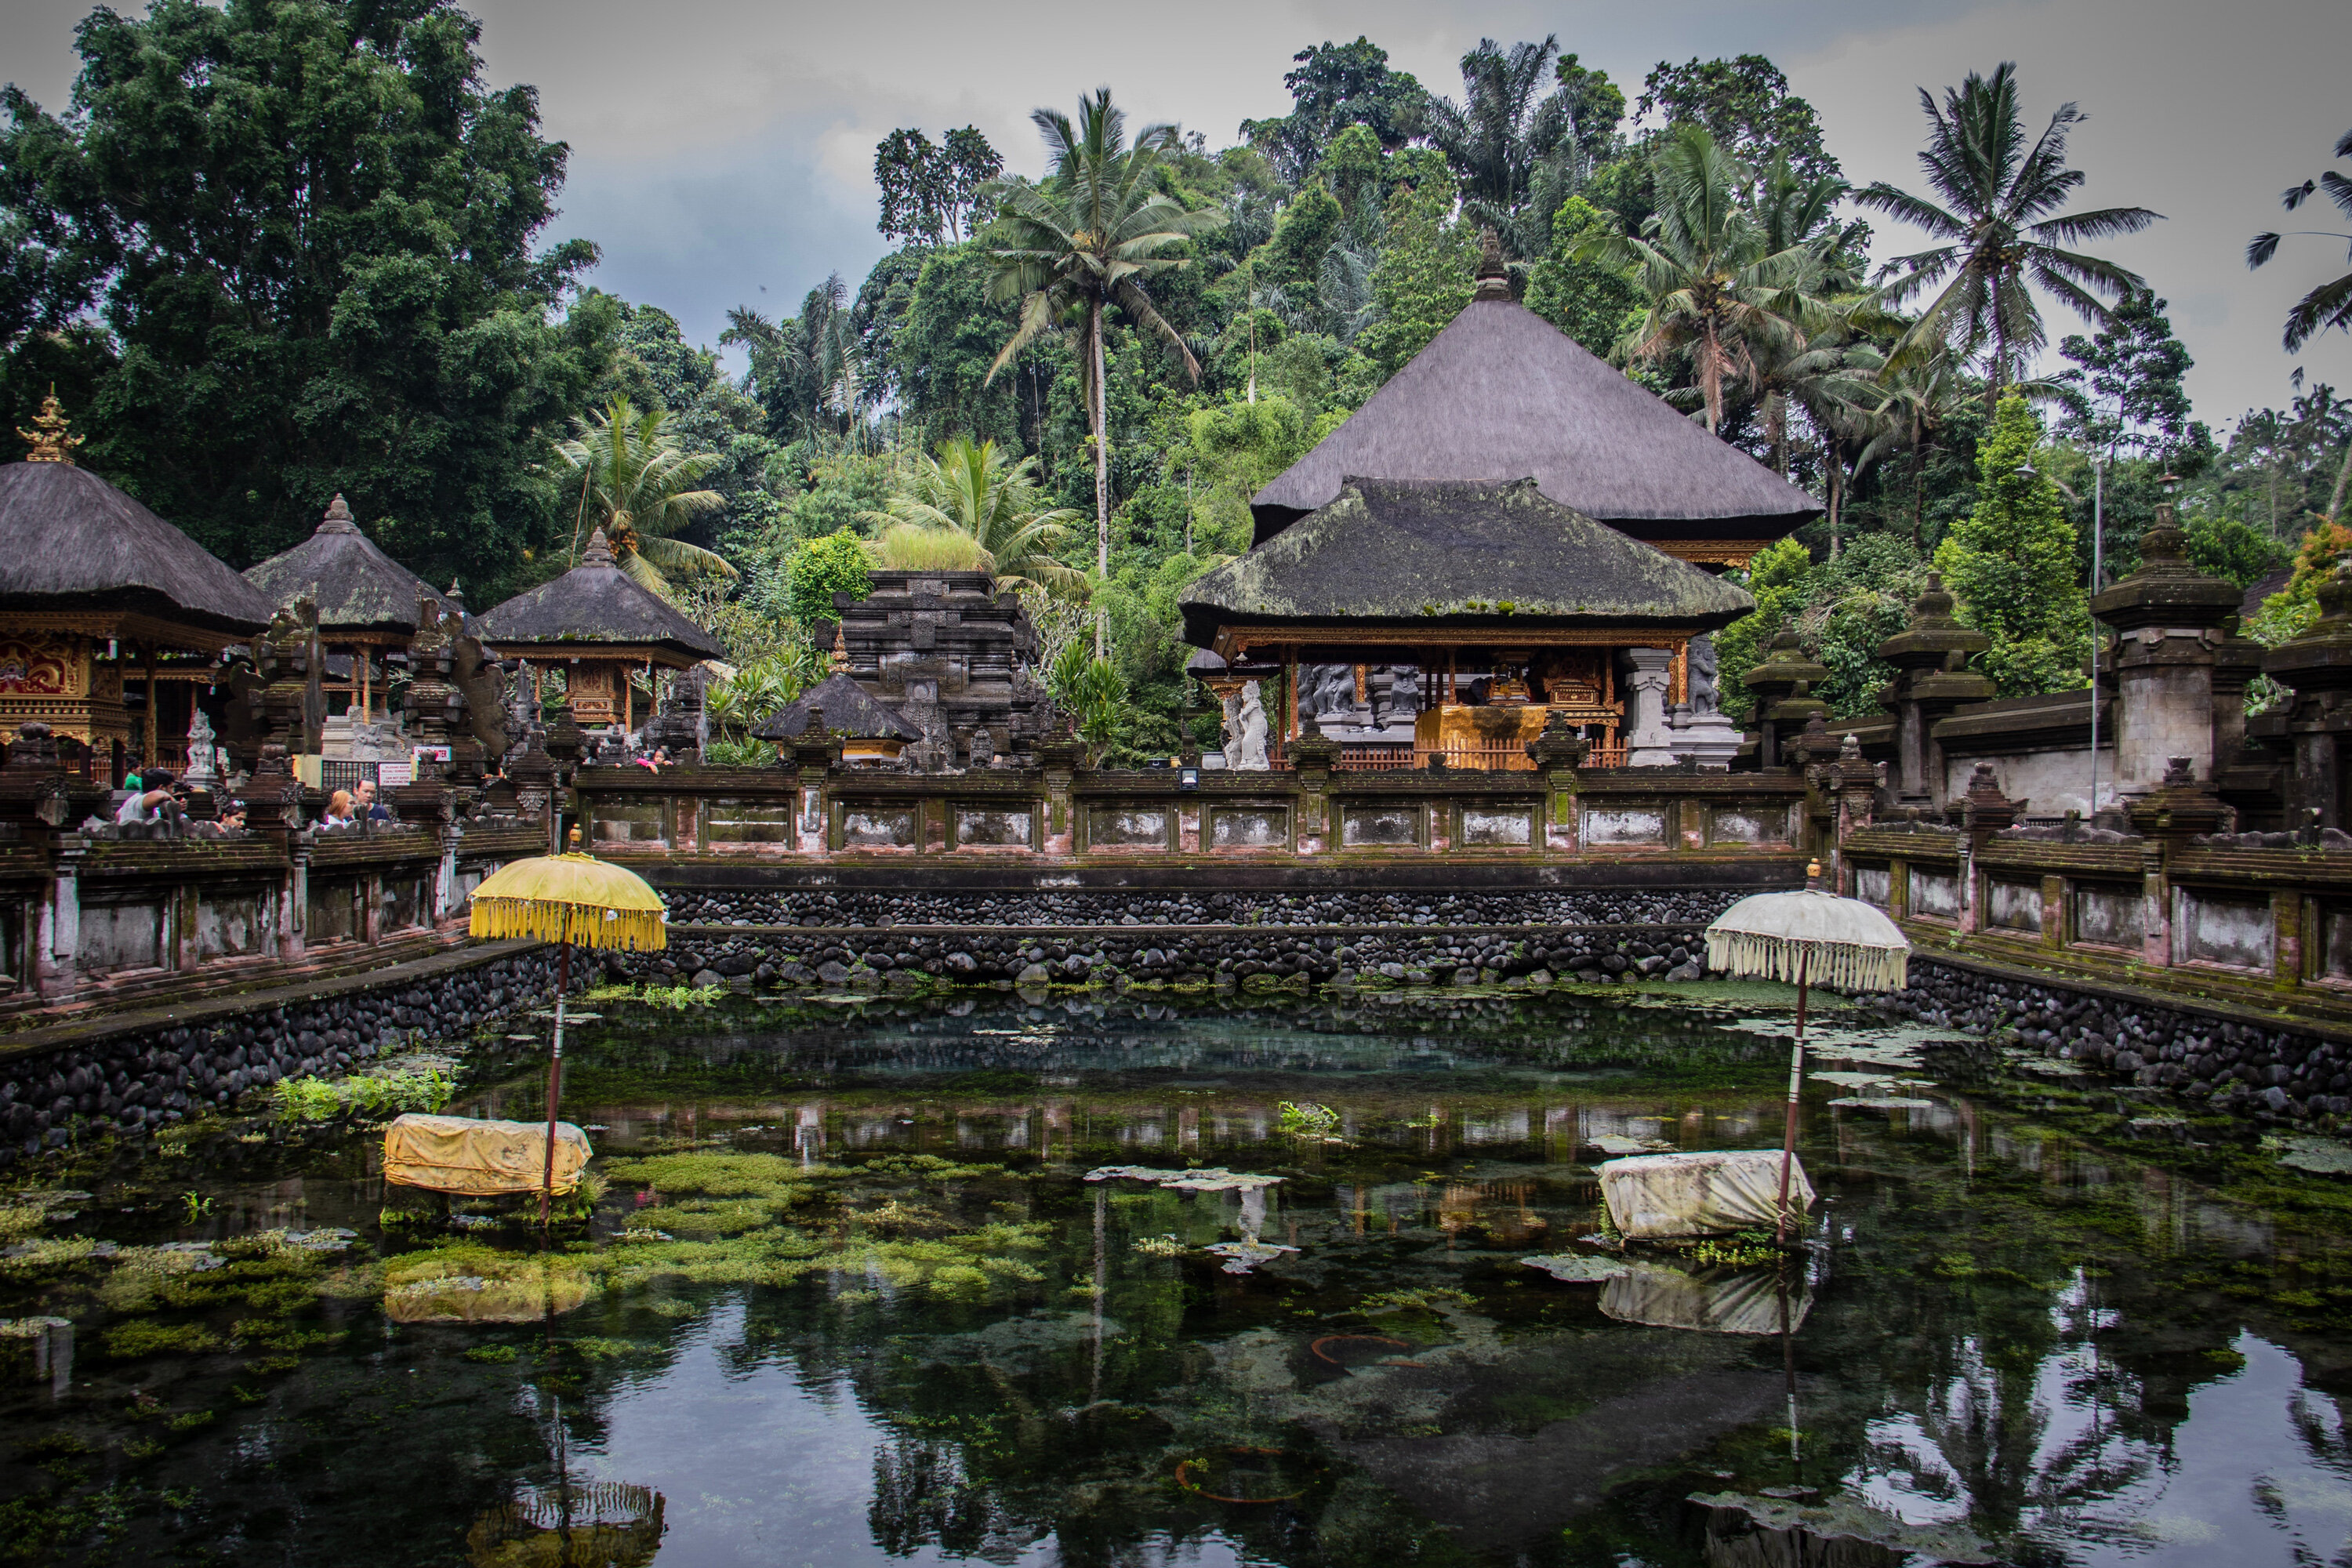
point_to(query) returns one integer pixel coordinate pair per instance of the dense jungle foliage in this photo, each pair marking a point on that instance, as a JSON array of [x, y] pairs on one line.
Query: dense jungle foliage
[[275, 249]]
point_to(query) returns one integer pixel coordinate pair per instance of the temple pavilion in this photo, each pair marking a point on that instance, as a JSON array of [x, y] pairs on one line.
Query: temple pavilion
[[367, 602], [599, 625], [1519, 529], [98, 596]]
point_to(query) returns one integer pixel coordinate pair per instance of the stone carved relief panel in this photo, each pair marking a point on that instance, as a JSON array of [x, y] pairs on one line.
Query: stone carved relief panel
[[1605, 826], [1498, 826]]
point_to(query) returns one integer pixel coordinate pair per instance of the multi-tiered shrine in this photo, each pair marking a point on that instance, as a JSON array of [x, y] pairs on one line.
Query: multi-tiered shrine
[[1507, 532]]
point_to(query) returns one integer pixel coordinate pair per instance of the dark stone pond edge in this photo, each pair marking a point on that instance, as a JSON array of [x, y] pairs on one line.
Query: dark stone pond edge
[[137, 1073]]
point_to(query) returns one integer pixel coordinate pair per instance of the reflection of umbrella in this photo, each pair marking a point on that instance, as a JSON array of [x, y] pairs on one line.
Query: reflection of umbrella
[[1812, 938], [568, 899]]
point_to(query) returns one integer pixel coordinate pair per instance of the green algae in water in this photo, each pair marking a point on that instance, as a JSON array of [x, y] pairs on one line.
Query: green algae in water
[[907, 1326]]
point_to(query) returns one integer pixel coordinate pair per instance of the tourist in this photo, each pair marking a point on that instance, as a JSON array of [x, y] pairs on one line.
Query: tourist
[[368, 805], [338, 810], [149, 800], [654, 764]]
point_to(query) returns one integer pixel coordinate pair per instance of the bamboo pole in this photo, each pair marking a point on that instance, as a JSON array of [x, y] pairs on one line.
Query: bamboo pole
[[1796, 1080], [555, 1085]]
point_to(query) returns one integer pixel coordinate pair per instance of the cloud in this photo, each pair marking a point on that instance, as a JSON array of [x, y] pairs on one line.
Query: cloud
[[718, 145]]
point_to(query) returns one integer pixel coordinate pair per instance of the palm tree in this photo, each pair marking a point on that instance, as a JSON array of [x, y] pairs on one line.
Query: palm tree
[[634, 479], [970, 493], [1084, 241], [2001, 227], [1716, 284], [1502, 129], [1915, 400], [808, 370], [2330, 304]]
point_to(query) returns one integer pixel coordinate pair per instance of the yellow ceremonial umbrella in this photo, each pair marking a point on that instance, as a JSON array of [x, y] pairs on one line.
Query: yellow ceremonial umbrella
[[566, 899], [1812, 937]]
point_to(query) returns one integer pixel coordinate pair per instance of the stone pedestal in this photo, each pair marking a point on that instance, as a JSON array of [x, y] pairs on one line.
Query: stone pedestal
[[1932, 657], [2168, 616], [1649, 675], [1709, 739]]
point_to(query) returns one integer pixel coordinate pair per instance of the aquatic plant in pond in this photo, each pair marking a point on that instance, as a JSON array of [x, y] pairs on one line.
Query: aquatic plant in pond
[[874, 1227], [388, 1091]]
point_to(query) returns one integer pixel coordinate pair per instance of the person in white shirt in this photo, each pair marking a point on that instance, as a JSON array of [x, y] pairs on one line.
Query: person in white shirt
[[151, 800]]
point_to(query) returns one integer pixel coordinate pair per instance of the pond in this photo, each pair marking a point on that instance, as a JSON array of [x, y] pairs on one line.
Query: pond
[[842, 1292]]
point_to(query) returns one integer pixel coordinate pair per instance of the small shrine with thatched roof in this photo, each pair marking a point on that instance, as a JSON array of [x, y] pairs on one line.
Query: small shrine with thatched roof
[[96, 592], [598, 626], [1508, 531], [367, 602], [870, 731]]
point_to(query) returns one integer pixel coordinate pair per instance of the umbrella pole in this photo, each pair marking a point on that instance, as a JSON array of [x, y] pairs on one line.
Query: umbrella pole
[[555, 1084], [1796, 1080]]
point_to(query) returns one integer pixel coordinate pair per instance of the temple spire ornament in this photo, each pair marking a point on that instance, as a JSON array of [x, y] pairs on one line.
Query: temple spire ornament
[[47, 437], [840, 650]]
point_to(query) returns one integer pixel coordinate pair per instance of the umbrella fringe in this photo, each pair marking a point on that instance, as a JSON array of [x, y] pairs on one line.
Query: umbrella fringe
[[583, 925], [1835, 965]]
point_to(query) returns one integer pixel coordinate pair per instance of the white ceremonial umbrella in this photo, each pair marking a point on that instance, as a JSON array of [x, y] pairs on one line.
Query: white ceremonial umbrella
[[1810, 938]]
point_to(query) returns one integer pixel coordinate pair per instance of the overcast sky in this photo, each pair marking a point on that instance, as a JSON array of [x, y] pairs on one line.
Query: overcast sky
[[722, 150]]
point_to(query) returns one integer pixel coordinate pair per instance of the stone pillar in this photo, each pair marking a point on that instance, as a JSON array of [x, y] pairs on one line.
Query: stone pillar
[[2318, 666], [1557, 753], [2180, 808], [60, 951], [2170, 617], [294, 898], [1649, 673], [1312, 754], [1931, 657], [814, 757], [1786, 672]]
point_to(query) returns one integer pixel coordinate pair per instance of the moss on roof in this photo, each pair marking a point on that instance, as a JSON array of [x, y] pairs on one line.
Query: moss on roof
[[1410, 552]]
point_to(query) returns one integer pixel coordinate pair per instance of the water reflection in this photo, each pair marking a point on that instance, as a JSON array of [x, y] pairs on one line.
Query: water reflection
[[849, 1298]]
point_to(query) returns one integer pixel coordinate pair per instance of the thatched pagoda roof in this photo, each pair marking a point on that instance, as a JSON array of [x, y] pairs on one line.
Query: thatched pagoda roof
[[839, 705], [357, 587], [1501, 394], [1426, 555], [70, 541], [594, 604]]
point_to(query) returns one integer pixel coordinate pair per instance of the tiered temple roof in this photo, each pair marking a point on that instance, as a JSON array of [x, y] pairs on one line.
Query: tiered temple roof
[[1418, 561], [1501, 394]]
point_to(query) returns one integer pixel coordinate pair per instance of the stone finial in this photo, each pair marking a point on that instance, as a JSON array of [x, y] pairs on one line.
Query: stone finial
[[1849, 751], [456, 595], [339, 518], [599, 552], [35, 749], [840, 649], [1494, 278], [1933, 605]]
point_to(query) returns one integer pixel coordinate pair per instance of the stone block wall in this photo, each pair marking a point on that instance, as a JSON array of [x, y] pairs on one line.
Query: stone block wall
[[1017, 908], [2244, 1066], [145, 1079], [1171, 954]]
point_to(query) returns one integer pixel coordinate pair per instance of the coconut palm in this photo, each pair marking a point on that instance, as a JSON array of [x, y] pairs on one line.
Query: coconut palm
[[633, 484], [970, 505], [2002, 228], [1716, 283], [2330, 304], [1087, 240]]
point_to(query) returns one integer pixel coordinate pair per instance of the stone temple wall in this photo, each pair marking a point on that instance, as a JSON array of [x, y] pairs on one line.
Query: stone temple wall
[[144, 1080]]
